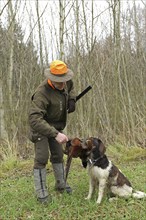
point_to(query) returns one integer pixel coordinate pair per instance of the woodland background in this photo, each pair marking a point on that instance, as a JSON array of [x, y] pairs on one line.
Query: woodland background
[[105, 48]]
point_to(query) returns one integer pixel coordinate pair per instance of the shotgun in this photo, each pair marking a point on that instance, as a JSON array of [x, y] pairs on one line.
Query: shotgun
[[69, 158], [83, 93]]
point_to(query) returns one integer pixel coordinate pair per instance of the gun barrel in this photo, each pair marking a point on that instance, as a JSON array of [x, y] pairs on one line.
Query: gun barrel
[[83, 93]]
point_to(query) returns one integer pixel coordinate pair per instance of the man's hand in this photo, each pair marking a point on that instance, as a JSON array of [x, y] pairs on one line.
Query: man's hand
[[61, 138]]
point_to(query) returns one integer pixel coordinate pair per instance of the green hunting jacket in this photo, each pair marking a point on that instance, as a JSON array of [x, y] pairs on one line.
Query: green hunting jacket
[[48, 110]]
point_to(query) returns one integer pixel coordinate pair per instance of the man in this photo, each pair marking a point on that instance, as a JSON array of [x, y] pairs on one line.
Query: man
[[51, 102]]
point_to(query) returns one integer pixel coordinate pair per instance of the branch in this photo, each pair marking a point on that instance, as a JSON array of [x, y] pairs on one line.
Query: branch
[[104, 11], [4, 7], [36, 23], [143, 2]]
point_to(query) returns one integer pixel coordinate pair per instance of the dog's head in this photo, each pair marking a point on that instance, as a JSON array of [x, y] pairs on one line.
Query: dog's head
[[91, 148], [83, 148], [96, 146]]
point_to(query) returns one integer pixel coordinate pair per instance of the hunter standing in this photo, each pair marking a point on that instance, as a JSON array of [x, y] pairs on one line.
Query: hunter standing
[[51, 102]]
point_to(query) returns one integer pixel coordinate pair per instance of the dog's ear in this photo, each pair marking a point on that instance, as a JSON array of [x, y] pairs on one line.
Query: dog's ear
[[98, 143], [102, 148]]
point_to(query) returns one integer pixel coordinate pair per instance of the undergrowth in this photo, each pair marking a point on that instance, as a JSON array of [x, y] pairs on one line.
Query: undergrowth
[[18, 201]]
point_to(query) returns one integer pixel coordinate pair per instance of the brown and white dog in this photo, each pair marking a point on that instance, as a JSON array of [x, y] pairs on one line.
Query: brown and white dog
[[101, 170]]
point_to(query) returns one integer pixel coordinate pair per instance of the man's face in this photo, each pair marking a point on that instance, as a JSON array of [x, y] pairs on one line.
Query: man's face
[[59, 85]]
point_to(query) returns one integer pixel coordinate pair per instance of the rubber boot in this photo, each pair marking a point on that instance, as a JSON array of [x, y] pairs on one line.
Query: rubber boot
[[40, 185], [60, 184]]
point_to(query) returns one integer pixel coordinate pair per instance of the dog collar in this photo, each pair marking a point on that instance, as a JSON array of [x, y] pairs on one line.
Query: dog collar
[[92, 162]]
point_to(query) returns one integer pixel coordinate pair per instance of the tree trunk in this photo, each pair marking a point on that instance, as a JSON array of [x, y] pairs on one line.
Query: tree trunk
[[3, 132], [61, 28], [40, 37]]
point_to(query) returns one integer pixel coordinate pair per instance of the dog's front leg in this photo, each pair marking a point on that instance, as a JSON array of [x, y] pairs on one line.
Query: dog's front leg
[[91, 188], [102, 184]]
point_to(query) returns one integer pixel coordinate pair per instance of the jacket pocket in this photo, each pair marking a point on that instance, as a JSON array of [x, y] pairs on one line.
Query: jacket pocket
[[35, 137]]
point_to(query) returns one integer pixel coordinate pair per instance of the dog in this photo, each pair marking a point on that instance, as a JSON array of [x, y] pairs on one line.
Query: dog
[[101, 170]]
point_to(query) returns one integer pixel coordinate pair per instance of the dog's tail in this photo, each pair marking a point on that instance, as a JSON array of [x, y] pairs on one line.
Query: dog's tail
[[138, 195]]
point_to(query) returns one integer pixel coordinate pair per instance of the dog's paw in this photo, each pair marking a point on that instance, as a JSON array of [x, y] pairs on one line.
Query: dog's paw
[[112, 199], [88, 197], [98, 202]]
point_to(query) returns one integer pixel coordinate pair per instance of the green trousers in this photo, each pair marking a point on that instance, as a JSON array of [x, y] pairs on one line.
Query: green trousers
[[45, 149]]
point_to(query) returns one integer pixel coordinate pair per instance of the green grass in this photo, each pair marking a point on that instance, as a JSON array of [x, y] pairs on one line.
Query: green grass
[[18, 201]]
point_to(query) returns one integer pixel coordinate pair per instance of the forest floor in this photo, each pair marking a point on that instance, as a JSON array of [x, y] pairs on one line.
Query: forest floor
[[18, 201]]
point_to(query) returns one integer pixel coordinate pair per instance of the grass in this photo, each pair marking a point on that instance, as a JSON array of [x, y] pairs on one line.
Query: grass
[[18, 201]]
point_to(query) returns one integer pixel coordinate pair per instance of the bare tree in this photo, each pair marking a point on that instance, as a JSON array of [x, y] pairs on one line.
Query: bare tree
[[4, 7], [3, 131], [62, 21], [114, 65], [40, 36]]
